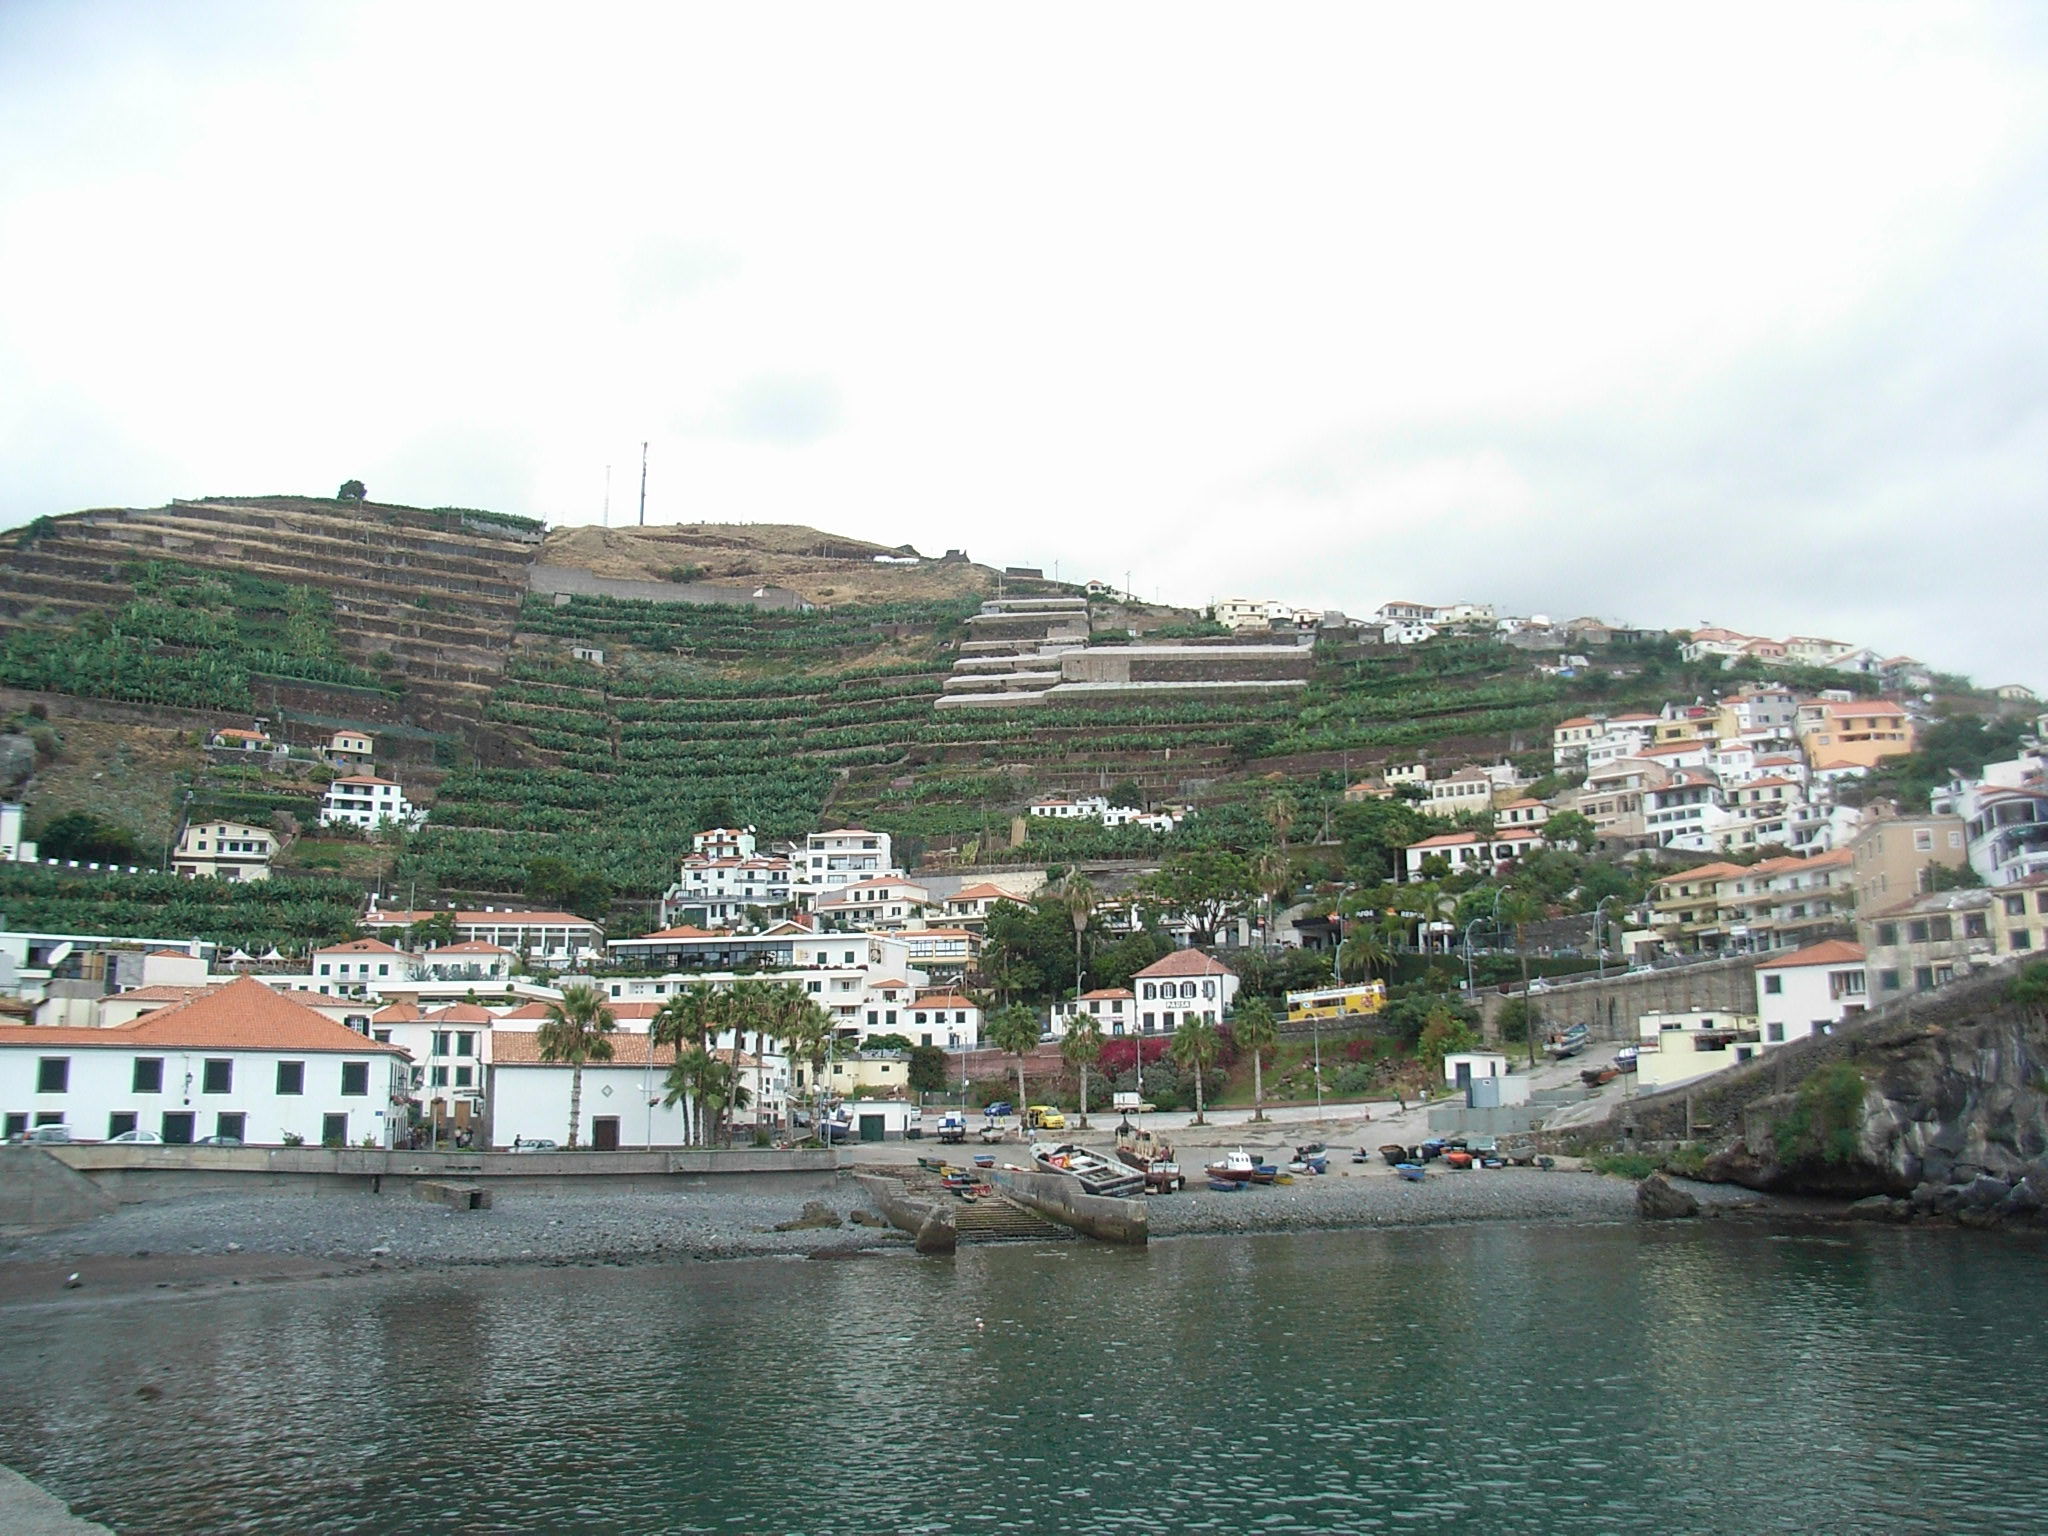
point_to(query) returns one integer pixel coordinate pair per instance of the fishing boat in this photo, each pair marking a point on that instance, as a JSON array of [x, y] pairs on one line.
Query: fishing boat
[[1412, 1172], [1566, 1043], [984, 1160], [1097, 1174], [1225, 1186], [1141, 1150], [1460, 1160], [1309, 1165], [1395, 1154], [1235, 1165], [1265, 1173], [1625, 1059]]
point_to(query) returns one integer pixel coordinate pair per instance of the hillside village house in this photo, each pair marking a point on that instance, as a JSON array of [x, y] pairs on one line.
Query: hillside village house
[[2004, 816], [224, 850], [1892, 857], [449, 1048], [1185, 984], [242, 1061], [354, 968], [1809, 991], [1470, 851], [554, 939], [351, 749], [717, 889], [485, 965], [944, 1019], [1468, 789], [970, 906], [885, 904], [842, 857], [362, 800], [1863, 732], [1679, 1046], [1114, 1010], [233, 739], [1928, 941]]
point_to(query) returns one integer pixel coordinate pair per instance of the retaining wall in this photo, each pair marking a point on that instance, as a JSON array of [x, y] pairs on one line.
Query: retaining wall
[[38, 1191], [1059, 1198]]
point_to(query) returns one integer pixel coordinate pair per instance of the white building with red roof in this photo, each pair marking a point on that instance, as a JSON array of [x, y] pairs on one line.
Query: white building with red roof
[[241, 1061], [365, 801], [1114, 1010], [1189, 983], [548, 938], [718, 889], [353, 969], [1469, 851], [1810, 990], [889, 903]]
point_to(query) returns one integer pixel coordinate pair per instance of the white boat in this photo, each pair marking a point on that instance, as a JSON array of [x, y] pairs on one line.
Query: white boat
[[1236, 1165], [1097, 1174]]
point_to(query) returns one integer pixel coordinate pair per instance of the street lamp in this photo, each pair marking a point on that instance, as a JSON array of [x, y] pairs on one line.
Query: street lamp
[[1469, 989], [1600, 932]]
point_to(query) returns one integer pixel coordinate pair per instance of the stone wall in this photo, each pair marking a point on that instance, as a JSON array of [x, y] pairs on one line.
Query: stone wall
[[1609, 1008], [582, 583]]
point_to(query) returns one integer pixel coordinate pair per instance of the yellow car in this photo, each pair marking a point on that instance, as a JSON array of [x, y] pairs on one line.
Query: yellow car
[[1043, 1117]]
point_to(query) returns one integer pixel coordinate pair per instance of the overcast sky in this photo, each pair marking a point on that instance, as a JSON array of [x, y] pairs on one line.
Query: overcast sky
[[1670, 314]]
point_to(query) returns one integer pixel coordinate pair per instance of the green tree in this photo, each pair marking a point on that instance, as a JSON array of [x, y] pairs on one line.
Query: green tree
[[1253, 1027], [1515, 1021], [1521, 908], [1081, 1047], [2029, 989], [89, 839], [1078, 897], [431, 932], [1442, 1034], [1203, 888], [1013, 1030], [575, 1031], [1571, 827], [685, 1022], [352, 490], [555, 882], [1364, 951], [927, 1070], [1196, 1046]]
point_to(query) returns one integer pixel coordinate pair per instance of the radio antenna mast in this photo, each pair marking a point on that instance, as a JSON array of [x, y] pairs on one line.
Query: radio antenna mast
[[643, 485]]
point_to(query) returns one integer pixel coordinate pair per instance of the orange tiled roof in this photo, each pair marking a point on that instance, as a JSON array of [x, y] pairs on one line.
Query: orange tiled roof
[[1829, 952], [1186, 962], [244, 1015]]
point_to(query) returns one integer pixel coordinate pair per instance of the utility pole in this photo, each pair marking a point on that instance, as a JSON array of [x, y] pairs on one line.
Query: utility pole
[[643, 485], [607, 495]]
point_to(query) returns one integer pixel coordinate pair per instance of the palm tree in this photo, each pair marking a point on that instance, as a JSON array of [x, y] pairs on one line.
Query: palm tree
[[1196, 1046], [749, 1004], [1013, 1029], [1363, 952], [792, 1018], [574, 1031], [688, 1018], [1081, 1046], [1253, 1028], [1079, 897], [1522, 908], [807, 1037], [1271, 871]]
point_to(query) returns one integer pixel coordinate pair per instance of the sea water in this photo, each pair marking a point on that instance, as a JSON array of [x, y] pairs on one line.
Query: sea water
[[1701, 1377]]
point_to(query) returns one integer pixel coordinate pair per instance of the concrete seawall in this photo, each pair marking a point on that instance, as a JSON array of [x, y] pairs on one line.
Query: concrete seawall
[[38, 1191], [930, 1223], [139, 1174], [1060, 1198]]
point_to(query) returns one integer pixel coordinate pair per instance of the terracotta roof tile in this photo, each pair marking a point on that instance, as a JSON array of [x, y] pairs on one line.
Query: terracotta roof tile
[[1186, 962], [1829, 952], [244, 1015]]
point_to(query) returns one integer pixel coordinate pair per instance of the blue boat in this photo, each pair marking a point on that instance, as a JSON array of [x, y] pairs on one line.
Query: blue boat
[[1225, 1186], [1412, 1172]]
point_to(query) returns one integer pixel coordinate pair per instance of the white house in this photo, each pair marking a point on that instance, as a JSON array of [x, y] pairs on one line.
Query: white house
[[720, 888], [1187, 983], [890, 903], [1114, 1010], [13, 849], [1470, 851], [724, 843], [841, 857], [1809, 991], [944, 1019], [242, 1061], [484, 964], [355, 968], [363, 800], [1408, 632], [351, 749], [224, 850], [551, 938], [1678, 1047]]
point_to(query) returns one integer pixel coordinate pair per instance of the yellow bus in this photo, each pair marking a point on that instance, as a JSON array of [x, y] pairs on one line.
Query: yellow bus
[[1361, 997]]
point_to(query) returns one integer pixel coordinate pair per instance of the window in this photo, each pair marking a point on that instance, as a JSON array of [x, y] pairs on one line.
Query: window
[[1888, 981], [230, 1125], [355, 1081], [1774, 1033], [120, 1123], [1923, 840], [1887, 934], [1974, 926], [1923, 978], [440, 1077], [1941, 929], [1916, 931], [218, 1075], [333, 1128], [381, 1036], [2021, 939], [2015, 906], [465, 1077], [1774, 984], [291, 1078], [465, 1043], [1148, 1021], [440, 1042], [177, 1127], [53, 1074], [149, 1075]]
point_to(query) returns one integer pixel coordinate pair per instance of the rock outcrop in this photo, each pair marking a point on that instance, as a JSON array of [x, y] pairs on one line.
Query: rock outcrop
[[1658, 1199]]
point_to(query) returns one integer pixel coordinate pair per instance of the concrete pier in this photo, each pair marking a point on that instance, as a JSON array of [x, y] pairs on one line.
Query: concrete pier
[[27, 1510]]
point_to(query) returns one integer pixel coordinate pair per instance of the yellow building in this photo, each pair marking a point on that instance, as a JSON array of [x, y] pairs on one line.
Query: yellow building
[[1859, 732]]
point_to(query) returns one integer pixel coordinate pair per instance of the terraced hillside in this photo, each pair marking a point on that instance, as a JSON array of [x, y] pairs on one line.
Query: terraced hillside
[[421, 624], [370, 613]]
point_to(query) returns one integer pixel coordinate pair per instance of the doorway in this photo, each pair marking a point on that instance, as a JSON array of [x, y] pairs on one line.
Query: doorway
[[178, 1127], [871, 1127], [604, 1133]]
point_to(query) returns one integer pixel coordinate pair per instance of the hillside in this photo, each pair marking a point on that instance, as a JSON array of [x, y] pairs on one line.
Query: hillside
[[790, 678]]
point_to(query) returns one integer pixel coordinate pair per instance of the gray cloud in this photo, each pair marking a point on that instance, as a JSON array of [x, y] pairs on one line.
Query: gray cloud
[[785, 410]]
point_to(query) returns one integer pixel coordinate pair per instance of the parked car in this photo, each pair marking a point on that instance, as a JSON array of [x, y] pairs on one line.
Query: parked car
[[1043, 1117], [834, 1131], [534, 1144], [149, 1138], [1000, 1107], [215, 1141], [47, 1134]]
